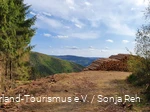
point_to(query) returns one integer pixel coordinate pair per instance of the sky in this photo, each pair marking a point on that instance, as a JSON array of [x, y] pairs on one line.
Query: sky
[[89, 28]]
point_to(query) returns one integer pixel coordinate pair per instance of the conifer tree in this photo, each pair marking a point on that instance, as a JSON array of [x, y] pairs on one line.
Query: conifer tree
[[16, 32]]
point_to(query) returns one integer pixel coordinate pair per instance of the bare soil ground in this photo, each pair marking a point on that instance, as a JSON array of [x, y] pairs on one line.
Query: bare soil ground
[[76, 85]]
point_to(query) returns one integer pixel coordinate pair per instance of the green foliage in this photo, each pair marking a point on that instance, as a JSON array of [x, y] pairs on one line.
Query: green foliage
[[43, 65], [139, 65], [135, 64], [15, 35], [132, 78]]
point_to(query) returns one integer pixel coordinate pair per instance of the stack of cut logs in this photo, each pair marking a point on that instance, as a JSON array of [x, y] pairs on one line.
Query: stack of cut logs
[[113, 63]]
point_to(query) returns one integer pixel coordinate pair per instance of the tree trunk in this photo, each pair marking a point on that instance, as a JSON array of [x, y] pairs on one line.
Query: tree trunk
[[10, 68], [6, 68]]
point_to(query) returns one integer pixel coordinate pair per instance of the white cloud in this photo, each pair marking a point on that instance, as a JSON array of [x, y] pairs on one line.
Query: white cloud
[[118, 27], [89, 19], [45, 22], [47, 34], [72, 8], [32, 13], [61, 36], [70, 2], [88, 3], [106, 48], [109, 40], [91, 47], [72, 47], [85, 35], [125, 41], [123, 29], [77, 25], [141, 2], [132, 9], [47, 14], [118, 16]]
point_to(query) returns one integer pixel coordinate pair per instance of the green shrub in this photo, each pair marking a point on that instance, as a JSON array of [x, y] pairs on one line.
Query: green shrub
[[132, 78], [140, 68]]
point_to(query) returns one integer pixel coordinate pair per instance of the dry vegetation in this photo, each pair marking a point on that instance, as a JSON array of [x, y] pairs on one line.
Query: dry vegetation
[[75, 84]]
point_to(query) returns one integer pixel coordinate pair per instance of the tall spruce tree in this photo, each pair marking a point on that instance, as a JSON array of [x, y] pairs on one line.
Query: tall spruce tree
[[16, 32], [24, 32]]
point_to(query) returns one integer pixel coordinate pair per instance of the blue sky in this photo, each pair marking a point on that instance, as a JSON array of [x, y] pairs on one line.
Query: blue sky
[[90, 28]]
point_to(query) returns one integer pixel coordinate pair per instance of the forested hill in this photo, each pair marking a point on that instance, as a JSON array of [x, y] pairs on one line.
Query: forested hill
[[44, 65], [84, 61]]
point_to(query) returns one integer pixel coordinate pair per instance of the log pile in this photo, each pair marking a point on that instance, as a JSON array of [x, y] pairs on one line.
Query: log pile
[[113, 63]]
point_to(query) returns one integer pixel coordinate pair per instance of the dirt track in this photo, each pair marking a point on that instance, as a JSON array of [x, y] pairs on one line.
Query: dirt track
[[90, 83]]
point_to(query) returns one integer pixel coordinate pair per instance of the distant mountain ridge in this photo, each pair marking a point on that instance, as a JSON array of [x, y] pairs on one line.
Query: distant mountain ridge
[[84, 61], [44, 65]]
